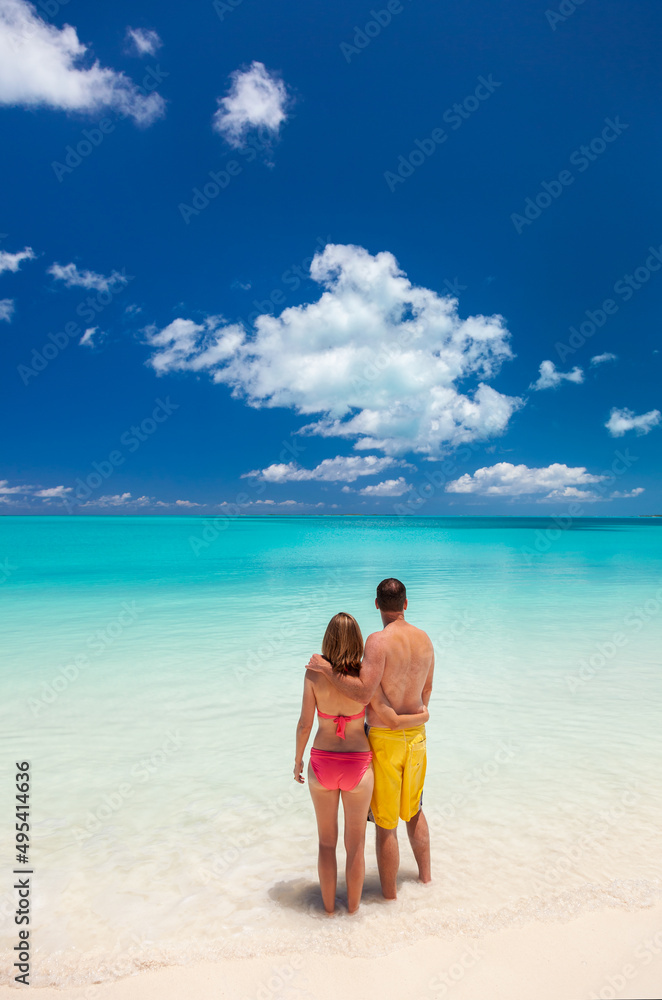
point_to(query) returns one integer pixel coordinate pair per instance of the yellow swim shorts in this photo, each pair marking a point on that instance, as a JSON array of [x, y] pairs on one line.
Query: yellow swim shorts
[[399, 761]]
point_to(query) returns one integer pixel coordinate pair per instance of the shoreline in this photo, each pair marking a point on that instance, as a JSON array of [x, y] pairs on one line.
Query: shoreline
[[601, 955]]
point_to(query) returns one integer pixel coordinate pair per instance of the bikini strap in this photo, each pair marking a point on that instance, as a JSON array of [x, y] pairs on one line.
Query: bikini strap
[[341, 721]]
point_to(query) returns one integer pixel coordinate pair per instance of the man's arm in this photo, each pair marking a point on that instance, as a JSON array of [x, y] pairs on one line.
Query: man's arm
[[383, 708], [363, 687], [427, 687]]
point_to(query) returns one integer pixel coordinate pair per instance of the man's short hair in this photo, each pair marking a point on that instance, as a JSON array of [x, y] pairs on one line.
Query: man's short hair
[[391, 595]]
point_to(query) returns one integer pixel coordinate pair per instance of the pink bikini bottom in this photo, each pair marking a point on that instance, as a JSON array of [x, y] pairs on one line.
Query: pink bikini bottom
[[334, 769]]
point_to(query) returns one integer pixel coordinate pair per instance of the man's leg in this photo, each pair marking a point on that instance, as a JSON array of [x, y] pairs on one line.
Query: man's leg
[[388, 860], [419, 838]]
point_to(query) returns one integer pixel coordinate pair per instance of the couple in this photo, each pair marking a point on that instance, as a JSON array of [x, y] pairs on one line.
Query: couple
[[380, 766]]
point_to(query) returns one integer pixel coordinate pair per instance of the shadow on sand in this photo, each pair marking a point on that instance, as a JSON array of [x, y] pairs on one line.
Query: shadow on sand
[[302, 895]]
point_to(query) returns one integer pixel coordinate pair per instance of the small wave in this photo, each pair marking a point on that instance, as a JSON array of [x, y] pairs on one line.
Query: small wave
[[376, 931]]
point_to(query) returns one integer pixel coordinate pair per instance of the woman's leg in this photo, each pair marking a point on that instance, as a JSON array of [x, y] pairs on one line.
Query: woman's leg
[[356, 804], [326, 802]]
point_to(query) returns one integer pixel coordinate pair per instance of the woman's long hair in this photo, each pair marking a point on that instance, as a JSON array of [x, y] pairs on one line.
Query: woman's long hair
[[343, 644]]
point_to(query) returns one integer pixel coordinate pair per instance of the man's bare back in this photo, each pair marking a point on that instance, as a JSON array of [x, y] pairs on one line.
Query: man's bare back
[[408, 658]]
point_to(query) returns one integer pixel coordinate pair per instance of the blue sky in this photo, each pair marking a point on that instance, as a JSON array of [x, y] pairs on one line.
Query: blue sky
[[478, 184]]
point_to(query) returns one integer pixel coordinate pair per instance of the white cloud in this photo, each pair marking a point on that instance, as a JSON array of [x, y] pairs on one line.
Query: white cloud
[[622, 421], [54, 492], [268, 503], [5, 488], [601, 359], [143, 41], [6, 309], [550, 377], [87, 340], [257, 99], [637, 491], [388, 488], [571, 493], [118, 500], [73, 278], [45, 66], [380, 359], [12, 261], [187, 503], [332, 470], [186, 345], [505, 479]]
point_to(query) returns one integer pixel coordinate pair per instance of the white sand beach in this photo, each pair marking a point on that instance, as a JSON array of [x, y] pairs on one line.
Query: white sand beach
[[610, 955]]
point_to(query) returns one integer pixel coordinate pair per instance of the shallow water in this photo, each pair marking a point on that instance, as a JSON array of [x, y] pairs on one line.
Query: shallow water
[[152, 672]]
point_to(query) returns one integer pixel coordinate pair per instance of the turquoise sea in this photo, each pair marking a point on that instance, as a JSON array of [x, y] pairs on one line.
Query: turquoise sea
[[152, 670]]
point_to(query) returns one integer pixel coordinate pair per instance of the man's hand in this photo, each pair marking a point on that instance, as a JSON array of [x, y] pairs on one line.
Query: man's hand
[[298, 769], [318, 663]]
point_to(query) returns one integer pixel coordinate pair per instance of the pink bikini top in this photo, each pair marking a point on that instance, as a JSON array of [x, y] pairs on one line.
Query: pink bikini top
[[341, 721]]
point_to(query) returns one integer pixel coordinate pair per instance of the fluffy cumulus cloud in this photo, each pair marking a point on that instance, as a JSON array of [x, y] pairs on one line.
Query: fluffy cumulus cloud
[[257, 99], [341, 469], [54, 493], [550, 377], [602, 359], [142, 41], [388, 488], [12, 261], [6, 309], [187, 346], [622, 421], [42, 65], [73, 278], [505, 479], [387, 364]]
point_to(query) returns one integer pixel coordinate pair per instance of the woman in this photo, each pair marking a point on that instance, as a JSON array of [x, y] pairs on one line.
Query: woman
[[340, 758]]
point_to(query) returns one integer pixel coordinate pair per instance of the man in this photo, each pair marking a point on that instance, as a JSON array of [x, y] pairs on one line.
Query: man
[[401, 659]]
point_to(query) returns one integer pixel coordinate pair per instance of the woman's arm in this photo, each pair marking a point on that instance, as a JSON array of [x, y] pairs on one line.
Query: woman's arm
[[363, 687], [387, 714], [304, 725]]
